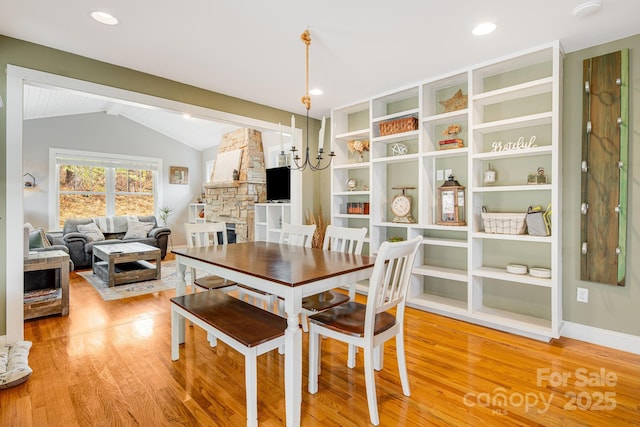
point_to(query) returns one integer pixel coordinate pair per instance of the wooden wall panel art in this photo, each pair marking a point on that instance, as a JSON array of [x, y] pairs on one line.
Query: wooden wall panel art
[[605, 140]]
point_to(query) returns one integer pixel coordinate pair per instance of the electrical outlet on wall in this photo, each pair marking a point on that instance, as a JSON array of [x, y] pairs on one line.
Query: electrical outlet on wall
[[583, 295], [448, 173], [440, 175]]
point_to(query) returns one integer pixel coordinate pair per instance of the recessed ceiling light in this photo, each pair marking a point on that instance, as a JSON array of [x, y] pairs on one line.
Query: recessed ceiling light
[[484, 29], [587, 8], [104, 18], [316, 91]]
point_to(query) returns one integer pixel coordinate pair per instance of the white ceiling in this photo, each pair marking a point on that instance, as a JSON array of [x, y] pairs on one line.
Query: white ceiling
[[251, 49]]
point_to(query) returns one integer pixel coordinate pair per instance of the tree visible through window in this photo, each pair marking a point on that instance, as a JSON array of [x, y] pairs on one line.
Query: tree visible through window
[[88, 190], [134, 192], [83, 192]]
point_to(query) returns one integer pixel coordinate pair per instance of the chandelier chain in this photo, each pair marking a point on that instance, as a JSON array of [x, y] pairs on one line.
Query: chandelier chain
[[306, 38], [299, 162]]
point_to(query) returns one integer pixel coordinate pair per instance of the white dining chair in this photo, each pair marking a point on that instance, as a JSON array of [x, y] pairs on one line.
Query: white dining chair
[[215, 233], [339, 239], [200, 235], [297, 235], [370, 325]]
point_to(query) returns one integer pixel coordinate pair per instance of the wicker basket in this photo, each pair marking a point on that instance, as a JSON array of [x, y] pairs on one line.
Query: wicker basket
[[504, 223], [392, 127]]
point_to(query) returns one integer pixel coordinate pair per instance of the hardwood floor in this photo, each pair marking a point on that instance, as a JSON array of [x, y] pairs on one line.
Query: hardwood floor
[[108, 364]]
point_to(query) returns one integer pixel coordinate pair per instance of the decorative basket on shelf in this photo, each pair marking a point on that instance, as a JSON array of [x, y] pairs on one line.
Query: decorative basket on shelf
[[404, 124], [504, 223]]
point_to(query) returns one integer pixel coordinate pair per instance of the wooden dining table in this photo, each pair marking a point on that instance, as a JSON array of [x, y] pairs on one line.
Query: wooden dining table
[[290, 272]]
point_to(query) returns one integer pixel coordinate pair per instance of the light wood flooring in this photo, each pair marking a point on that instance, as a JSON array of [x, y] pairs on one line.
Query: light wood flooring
[[108, 364]]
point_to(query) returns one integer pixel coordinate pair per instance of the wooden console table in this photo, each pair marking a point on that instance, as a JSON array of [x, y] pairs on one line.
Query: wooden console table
[[53, 299]]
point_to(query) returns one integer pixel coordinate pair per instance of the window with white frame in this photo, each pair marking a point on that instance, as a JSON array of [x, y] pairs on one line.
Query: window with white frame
[[89, 185]]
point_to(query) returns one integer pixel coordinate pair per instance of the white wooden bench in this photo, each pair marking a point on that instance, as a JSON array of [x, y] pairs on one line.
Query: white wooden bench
[[244, 327]]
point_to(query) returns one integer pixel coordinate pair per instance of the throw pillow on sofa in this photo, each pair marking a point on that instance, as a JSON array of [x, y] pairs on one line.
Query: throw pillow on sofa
[[38, 239], [92, 231], [137, 230]]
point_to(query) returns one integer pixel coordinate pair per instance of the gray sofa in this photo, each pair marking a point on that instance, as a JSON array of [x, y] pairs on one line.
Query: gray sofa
[[81, 245]]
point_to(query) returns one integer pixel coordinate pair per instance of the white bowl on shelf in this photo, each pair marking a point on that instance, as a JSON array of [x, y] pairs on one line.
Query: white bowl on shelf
[[543, 273], [517, 269]]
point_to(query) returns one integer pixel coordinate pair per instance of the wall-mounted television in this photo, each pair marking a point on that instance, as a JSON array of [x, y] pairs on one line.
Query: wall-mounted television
[[279, 184]]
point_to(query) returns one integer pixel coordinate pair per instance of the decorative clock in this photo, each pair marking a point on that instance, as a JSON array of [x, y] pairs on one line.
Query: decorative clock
[[401, 207]]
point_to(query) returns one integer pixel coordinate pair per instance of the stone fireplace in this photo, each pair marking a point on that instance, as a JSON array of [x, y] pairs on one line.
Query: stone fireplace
[[233, 201]]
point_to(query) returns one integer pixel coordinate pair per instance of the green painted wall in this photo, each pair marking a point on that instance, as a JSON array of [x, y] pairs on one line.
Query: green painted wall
[[610, 307], [37, 57]]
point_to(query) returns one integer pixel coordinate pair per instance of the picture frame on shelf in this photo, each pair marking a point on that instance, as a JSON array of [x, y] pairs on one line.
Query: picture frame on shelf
[[538, 178]]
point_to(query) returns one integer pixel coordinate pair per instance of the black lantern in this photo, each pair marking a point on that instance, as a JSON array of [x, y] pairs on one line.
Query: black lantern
[[451, 203]]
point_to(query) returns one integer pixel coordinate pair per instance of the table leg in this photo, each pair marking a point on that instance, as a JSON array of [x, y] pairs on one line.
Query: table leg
[[158, 267], [64, 284], [180, 290], [111, 273], [352, 291], [175, 333], [293, 365]]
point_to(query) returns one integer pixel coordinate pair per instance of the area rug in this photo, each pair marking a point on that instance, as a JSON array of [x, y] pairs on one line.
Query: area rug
[[168, 280]]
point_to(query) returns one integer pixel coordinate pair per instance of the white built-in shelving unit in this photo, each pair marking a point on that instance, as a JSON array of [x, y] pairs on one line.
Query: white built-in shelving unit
[[194, 212], [268, 220], [461, 271]]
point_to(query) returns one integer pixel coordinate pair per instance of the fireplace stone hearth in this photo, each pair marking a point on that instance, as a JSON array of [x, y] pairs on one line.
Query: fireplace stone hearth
[[233, 201]]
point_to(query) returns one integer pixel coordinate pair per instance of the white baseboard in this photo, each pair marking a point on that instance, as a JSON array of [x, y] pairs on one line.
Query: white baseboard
[[604, 337]]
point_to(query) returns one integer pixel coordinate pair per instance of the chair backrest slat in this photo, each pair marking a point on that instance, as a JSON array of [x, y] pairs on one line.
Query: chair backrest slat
[[205, 234], [297, 235], [344, 239], [390, 280]]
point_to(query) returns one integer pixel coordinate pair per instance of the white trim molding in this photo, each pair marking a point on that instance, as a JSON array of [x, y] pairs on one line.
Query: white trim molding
[[604, 337]]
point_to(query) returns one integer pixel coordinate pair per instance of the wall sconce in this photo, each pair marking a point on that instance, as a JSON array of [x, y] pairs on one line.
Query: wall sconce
[[29, 180]]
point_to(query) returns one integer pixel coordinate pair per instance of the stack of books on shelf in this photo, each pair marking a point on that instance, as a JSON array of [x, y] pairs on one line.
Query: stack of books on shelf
[[361, 208], [445, 144]]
